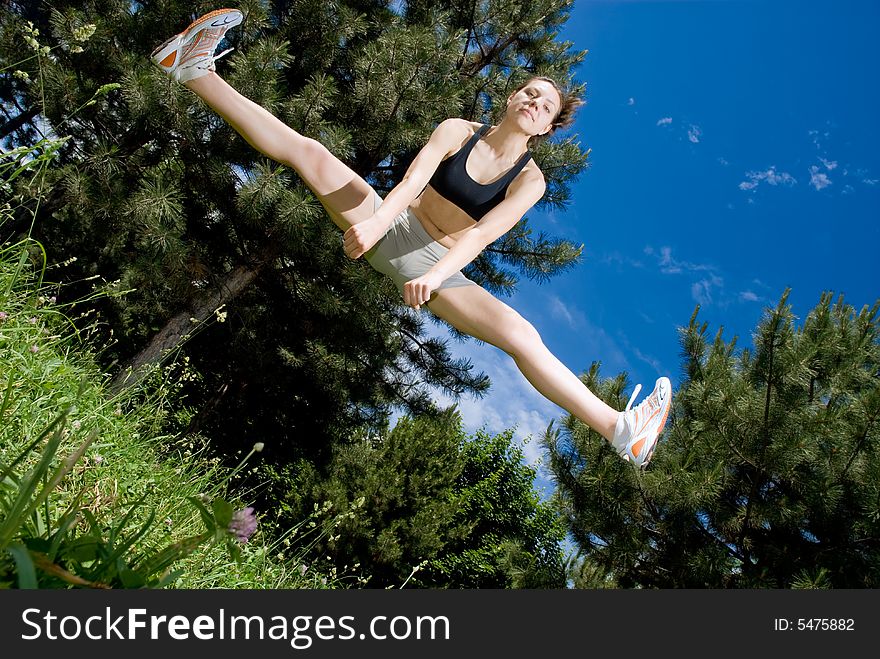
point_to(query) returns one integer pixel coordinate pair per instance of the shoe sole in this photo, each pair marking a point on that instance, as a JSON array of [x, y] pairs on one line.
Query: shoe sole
[[208, 20], [650, 454]]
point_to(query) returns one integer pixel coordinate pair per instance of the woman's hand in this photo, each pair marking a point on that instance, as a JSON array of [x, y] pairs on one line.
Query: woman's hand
[[418, 291], [361, 237]]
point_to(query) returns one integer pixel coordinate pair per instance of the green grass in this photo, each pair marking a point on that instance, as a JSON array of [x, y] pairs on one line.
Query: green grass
[[132, 507]]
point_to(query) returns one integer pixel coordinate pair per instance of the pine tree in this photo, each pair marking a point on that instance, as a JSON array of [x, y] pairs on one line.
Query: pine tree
[[768, 476], [156, 192]]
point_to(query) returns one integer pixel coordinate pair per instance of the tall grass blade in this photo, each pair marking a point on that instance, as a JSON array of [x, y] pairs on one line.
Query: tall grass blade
[[30, 447], [20, 508], [27, 576], [7, 395]]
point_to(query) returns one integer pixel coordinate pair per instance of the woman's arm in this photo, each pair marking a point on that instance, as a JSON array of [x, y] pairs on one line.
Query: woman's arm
[[447, 137], [525, 191]]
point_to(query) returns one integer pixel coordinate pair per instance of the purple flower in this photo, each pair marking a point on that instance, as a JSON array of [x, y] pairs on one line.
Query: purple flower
[[34, 348], [3, 316], [243, 524]]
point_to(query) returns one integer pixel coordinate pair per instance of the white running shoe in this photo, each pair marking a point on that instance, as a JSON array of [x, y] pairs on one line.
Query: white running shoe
[[637, 430], [190, 54]]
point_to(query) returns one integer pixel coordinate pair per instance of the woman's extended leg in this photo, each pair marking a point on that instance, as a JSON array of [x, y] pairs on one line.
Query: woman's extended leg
[[473, 310], [348, 198]]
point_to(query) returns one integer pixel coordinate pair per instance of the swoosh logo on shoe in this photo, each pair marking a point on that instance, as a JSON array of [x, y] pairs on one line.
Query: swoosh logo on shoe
[[226, 19]]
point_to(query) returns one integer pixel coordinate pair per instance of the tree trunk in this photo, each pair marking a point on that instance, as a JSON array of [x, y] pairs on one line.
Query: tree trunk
[[179, 327]]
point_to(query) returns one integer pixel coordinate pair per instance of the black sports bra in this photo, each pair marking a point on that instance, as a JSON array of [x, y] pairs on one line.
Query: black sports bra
[[452, 182]]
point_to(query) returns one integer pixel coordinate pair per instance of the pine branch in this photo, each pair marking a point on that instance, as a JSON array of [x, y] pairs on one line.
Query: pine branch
[[18, 121], [717, 424], [479, 91], [857, 449], [381, 148], [720, 541], [648, 504], [470, 34], [507, 252], [458, 380], [487, 57], [758, 476]]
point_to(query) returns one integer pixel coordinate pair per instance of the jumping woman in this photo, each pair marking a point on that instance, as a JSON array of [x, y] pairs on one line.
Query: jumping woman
[[468, 186]]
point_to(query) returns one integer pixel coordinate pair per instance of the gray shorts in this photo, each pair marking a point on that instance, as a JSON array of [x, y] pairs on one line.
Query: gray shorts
[[407, 251]]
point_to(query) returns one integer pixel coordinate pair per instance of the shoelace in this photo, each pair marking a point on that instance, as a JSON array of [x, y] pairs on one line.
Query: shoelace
[[633, 397], [214, 58], [211, 61]]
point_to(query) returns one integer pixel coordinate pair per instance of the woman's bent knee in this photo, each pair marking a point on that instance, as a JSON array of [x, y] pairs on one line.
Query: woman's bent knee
[[301, 151], [519, 336]]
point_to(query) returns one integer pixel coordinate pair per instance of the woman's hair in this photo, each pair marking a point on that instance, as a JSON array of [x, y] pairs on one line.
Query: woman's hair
[[569, 103]]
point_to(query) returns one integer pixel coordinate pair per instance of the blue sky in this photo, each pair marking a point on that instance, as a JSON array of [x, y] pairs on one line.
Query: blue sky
[[734, 154]]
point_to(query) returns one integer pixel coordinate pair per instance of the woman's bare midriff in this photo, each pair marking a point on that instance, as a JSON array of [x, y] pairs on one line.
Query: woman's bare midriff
[[444, 221]]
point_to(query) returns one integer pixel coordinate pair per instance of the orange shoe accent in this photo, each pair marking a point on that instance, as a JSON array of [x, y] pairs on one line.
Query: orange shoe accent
[[637, 447], [169, 60]]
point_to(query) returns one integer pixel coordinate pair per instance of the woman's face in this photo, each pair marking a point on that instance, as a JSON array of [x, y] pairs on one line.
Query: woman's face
[[535, 106]]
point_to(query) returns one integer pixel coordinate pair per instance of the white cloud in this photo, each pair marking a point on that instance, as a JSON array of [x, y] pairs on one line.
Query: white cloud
[[653, 362], [818, 179], [770, 176], [631, 101], [669, 265], [818, 137], [748, 296], [594, 343], [664, 121], [775, 179], [722, 161], [705, 276], [871, 181], [616, 258], [829, 164], [701, 291], [570, 314], [694, 133]]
